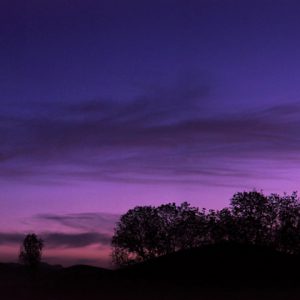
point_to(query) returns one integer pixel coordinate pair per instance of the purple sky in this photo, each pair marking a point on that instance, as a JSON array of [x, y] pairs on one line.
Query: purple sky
[[110, 104]]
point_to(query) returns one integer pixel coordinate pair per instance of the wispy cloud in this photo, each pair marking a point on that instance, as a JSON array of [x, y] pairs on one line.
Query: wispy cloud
[[58, 240], [103, 222], [55, 240], [68, 238], [11, 238], [68, 230], [163, 136]]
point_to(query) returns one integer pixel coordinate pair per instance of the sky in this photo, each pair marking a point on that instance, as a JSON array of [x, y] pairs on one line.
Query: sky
[[106, 105]]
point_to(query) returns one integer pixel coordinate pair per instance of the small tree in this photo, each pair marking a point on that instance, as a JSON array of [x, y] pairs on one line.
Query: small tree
[[31, 250]]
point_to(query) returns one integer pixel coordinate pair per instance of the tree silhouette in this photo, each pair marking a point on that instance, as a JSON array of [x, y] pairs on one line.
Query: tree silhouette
[[220, 226], [136, 235], [176, 227], [252, 211], [146, 232], [252, 218], [287, 234], [31, 250]]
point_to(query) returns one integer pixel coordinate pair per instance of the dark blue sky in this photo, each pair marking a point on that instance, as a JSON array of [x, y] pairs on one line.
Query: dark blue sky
[[69, 51], [110, 104]]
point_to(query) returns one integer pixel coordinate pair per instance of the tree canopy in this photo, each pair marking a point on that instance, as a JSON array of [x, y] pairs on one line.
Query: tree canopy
[[31, 250], [145, 232]]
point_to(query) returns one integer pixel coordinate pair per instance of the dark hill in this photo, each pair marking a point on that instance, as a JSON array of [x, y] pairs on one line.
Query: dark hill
[[219, 263], [224, 271]]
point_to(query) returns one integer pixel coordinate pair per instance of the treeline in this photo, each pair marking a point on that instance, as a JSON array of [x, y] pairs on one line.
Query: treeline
[[146, 232]]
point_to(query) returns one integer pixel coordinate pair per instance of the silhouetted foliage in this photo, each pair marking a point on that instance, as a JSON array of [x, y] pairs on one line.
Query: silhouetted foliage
[[252, 218], [31, 250], [251, 213], [146, 232], [287, 233]]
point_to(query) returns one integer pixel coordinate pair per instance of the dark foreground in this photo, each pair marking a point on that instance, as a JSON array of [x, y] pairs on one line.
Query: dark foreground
[[225, 271]]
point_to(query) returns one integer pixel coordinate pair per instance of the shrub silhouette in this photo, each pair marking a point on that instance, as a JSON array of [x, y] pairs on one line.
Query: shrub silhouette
[[252, 218], [31, 250]]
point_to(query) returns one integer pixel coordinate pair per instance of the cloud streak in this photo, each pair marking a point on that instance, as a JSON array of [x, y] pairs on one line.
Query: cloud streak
[[104, 222], [60, 240], [68, 230], [165, 136], [66, 240]]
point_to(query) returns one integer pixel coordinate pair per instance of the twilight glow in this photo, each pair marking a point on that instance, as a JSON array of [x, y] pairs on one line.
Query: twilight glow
[[106, 105]]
